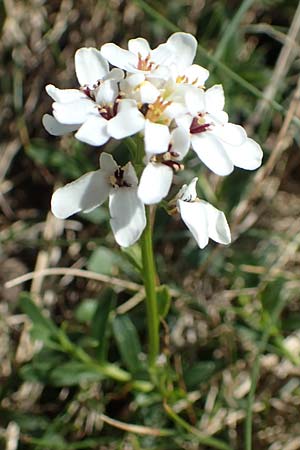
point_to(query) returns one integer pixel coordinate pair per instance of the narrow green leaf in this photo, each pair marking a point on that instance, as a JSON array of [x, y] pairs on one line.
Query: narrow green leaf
[[100, 323], [38, 319], [128, 342], [72, 373], [163, 300]]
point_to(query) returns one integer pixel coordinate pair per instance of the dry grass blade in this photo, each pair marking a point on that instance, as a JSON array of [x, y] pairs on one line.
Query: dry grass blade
[[131, 286], [284, 61], [261, 177], [137, 429]]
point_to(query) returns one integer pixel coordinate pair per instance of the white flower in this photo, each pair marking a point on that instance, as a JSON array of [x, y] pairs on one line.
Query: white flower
[[157, 176], [119, 184], [95, 109], [180, 49], [202, 219], [219, 144]]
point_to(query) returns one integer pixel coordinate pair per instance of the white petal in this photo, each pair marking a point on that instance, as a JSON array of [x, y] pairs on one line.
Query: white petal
[[195, 219], [93, 131], [128, 121], [212, 153], [162, 55], [56, 128], [247, 156], [148, 92], [175, 109], [231, 134], [139, 46], [75, 112], [160, 72], [218, 229], [155, 183], [115, 74], [64, 95], [184, 121], [188, 192], [119, 57], [128, 218], [157, 137], [129, 175], [90, 66], [184, 47], [107, 92], [108, 164], [180, 142], [217, 118], [195, 100], [84, 194], [214, 99], [196, 74], [132, 81]]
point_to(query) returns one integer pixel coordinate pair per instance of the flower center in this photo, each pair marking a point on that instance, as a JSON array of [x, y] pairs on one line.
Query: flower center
[[168, 159], [108, 111], [146, 63], [117, 179], [198, 125], [154, 111]]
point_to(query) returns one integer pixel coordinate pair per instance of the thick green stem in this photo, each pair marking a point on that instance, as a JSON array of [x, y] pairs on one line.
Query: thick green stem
[[150, 288]]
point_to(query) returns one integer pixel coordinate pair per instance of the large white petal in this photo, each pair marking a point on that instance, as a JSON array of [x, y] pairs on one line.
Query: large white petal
[[196, 74], [231, 134], [139, 46], [184, 121], [155, 183], [64, 95], [148, 92], [107, 92], [195, 219], [188, 192], [214, 99], [157, 137], [217, 118], [195, 100], [128, 218], [93, 131], [108, 164], [218, 229], [90, 66], [119, 57], [184, 47], [247, 156], [84, 194], [56, 128], [129, 175], [162, 55], [212, 153], [74, 112], [115, 74], [180, 142], [128, 121]]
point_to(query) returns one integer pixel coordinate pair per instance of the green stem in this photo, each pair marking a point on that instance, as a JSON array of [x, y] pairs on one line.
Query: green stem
[[150, 288]]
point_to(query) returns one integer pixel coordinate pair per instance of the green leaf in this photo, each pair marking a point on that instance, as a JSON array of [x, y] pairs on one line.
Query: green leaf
[[163, 300], [86, 309], [45, 325], [128, 343], [272, 294], [100, 322], [200, 373], [105, 261], [72, 373], [134, 256]]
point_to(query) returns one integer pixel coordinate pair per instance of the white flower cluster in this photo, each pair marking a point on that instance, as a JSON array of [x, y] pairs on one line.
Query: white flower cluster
[[159, 94]]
